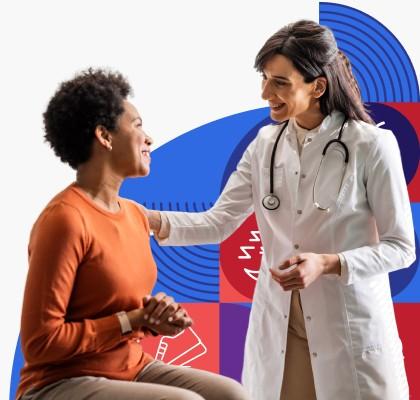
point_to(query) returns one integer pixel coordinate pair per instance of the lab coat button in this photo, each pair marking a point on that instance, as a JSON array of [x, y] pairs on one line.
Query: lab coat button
[[303, 176], [296, 172], [309, 140], [299, 211], [296, 246], [308, 318], [315, 354], [282, 352], [285, 316]]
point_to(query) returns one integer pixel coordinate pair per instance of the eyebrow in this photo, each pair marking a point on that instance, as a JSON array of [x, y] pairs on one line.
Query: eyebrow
[[280, 77]]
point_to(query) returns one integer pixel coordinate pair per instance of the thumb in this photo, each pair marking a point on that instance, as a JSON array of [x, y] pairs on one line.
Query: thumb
[[146, 299], [291, 261]]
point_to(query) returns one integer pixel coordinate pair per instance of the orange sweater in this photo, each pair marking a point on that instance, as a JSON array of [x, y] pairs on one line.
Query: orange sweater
[[85, 264]]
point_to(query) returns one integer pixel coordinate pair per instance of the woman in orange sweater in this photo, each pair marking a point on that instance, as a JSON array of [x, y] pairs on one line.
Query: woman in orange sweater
[[87, 302]]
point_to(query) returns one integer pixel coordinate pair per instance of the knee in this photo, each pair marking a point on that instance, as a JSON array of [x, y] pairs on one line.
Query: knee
[[232, 390]]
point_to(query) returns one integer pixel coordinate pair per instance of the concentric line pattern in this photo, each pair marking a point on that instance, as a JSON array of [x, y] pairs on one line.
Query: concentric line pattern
[[185, 176], [191, 273], [380, 63]]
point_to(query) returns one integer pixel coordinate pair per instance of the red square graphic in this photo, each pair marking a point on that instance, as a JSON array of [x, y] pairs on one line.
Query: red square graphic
[[197, 346], [408, 321], [240, 258]]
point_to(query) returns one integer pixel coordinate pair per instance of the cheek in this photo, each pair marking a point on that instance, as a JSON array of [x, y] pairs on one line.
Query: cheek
[[303, 99]]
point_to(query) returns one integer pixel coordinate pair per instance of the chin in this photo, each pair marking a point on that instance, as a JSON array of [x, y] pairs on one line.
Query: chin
[[278, 118]]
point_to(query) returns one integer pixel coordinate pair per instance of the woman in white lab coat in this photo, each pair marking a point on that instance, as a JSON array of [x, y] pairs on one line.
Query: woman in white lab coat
[[325, 328]]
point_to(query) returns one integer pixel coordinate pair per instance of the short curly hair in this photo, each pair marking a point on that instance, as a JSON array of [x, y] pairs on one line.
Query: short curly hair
[[93, 97]]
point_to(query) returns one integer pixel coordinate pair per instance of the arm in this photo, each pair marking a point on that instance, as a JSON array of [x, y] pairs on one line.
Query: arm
[[388, 199], [57, 247], [213, 226]]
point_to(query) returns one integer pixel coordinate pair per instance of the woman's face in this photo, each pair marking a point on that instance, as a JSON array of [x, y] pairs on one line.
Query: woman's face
[[130, 144], [287, 94]]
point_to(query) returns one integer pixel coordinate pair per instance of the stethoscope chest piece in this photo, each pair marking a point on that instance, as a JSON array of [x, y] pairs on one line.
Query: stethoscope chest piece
[[271, 202]]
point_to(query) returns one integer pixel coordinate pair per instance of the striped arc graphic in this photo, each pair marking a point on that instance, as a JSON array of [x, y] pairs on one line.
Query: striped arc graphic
[[381, 65]]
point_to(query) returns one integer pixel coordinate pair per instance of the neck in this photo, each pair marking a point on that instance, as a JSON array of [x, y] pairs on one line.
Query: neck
[[101, 185], [310, 119]]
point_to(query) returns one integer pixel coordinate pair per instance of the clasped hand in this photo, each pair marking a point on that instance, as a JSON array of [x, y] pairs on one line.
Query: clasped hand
[[161, 314], [301, 271]]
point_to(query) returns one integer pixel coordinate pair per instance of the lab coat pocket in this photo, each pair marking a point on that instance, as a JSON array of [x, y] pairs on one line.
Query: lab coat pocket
[[375, 374]]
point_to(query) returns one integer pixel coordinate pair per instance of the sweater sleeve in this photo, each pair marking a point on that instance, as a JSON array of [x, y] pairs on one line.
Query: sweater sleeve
[[57, 247]]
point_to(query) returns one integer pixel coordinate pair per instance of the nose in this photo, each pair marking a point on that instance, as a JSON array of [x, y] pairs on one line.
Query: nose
[[148, 140], [266, 91]]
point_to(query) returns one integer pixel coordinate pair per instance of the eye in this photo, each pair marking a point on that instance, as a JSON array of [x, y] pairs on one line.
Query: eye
[[263, 77], [279, 83]]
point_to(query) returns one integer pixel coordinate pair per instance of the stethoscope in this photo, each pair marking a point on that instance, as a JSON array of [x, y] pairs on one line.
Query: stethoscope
[[271, 201]]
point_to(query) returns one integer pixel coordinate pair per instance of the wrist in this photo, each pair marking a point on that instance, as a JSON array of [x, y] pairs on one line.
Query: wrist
[[155, 221], [136, 318], [331, 264]]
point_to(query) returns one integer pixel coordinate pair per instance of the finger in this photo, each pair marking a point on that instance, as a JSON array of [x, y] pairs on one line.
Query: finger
[[292, 282], [290, 262], [176, 331], [146, 300], [295, 284], [161, 307], [169, 312], [153, 302], [284, 276], [184, 322], [177, 317]]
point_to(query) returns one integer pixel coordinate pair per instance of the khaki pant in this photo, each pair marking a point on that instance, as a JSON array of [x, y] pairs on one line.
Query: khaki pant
[[157, 381], [298, 381]]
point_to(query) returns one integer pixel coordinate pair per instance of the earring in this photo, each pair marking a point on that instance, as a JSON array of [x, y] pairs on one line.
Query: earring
[[109, 147]]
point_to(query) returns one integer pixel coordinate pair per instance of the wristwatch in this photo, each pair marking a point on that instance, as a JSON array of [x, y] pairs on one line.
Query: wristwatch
[[126, 327]]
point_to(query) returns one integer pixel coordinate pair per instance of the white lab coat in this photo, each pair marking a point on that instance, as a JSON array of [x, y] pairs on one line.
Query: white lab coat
[[353, 340]]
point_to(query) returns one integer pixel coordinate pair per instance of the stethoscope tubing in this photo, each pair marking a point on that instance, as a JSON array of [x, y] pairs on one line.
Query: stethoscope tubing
[[271, 201]]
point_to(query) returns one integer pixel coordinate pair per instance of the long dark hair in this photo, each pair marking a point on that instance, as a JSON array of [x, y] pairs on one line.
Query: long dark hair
[[313, 51]]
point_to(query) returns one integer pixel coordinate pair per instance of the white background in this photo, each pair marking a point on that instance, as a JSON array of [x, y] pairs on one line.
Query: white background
[[189, 62]]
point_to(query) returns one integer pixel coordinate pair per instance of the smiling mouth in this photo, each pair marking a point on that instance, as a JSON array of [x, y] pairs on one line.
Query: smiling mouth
[[146, 154], [277, 107]]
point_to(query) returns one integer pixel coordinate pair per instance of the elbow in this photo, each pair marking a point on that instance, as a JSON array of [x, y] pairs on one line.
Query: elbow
[[410, 257], [407, 253], [34, 348]]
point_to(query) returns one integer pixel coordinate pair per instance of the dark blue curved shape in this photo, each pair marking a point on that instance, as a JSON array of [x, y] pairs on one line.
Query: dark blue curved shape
[[388, 61], [404, 132], [400, 279]]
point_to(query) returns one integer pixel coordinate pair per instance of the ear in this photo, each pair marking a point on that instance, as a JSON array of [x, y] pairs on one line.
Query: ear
[[320, 86], [103, 136]]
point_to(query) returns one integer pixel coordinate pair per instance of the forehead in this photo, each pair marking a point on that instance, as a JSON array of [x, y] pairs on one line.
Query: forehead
[[280, 65], [130, 111]]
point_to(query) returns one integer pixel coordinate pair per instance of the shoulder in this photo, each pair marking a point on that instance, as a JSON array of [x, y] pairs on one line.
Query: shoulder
[[59, 220], [370, 139], [369, 133], [136, 210]]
